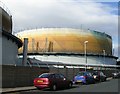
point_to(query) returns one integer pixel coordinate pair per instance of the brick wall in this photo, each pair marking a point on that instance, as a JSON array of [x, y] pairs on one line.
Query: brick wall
[[16, 76]]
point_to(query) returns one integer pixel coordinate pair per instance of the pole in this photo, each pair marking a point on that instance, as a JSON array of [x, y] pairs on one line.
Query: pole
[[25, 49], [85, 49], [104, 58]]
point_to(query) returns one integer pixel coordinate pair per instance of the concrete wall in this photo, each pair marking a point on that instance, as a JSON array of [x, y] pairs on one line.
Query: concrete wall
[[0, 20], [15, 76], [0, 47], [9, 51]]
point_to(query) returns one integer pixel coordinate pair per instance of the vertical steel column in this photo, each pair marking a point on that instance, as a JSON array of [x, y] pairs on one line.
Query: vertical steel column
[[25, 49]]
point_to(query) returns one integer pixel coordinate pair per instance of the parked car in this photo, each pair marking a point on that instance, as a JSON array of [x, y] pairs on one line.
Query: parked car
[[84, 78], [116, 75], [99, 76], [52, 81]]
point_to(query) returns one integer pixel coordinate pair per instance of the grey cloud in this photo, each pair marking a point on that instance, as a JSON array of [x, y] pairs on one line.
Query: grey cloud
[[69, 13]]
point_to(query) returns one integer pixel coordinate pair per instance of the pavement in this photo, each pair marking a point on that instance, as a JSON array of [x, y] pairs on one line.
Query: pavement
[[18, 89]]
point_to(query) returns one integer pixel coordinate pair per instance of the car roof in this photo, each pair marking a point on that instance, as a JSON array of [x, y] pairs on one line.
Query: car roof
[[84, 72], [48, 73], [51, 73]]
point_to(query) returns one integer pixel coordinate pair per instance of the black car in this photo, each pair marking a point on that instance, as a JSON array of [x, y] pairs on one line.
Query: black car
[[116, 75], [99, 76]]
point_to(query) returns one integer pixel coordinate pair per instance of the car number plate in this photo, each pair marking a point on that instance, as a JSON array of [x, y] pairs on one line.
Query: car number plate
[[39, 81], [79, 81]]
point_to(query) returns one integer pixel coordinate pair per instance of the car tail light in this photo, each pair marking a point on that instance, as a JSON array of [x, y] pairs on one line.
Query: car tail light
[[75, 77], [46, 80], [35, 80], [85, 77], [41, 80]]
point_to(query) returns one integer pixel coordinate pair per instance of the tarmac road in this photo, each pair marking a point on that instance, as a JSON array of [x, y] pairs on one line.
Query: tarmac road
[[110, 86]]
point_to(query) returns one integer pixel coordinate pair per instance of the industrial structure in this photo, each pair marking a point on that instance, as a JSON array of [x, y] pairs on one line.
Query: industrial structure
[[9, 43], [61, 50], [55, 45], [66, 40], [69, 46]]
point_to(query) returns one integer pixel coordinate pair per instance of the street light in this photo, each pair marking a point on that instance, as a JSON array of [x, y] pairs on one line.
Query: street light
[[85, 49], [104, 57]]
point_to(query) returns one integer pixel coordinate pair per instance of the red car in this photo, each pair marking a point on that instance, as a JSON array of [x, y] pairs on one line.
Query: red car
[[52, 81]]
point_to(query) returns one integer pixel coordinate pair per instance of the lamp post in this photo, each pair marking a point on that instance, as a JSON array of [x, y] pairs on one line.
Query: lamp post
[[104, 58], [85, 49]]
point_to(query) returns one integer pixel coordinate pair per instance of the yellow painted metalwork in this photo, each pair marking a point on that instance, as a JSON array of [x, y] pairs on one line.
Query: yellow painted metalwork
[[66, 40]]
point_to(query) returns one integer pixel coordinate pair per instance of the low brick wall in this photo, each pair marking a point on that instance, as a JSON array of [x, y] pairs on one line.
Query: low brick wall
[[16, 76]]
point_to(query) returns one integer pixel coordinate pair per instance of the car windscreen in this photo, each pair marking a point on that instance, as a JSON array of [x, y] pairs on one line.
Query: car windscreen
[[95, 73], [84, 74], [80, 74], [44, 76]]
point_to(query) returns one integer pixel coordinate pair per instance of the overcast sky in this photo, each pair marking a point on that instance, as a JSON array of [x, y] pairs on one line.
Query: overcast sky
[[87, 14]]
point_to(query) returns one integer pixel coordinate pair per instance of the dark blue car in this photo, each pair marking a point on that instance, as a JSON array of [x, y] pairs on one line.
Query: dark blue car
[[84, 78]]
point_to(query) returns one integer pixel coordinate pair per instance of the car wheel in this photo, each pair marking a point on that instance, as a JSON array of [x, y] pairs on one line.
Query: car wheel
[[38, 88], [70, 85], [105, 79], [93, 81], [54, 87], [100, 80], [86, 82]]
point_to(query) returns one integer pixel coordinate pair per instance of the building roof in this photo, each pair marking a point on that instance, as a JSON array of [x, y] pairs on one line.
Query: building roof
[[14, 38]]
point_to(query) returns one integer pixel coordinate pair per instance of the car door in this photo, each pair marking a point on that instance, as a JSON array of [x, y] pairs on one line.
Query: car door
[[59, 80], [90, 77], [64, 81], [52, 79]]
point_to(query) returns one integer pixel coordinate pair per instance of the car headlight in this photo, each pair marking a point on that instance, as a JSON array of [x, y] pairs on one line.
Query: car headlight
[[95, 77], [114, 74]]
